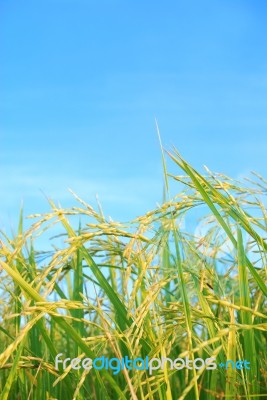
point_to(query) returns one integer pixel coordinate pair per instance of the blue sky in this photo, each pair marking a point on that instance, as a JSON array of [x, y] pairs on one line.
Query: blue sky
[[82, 82]]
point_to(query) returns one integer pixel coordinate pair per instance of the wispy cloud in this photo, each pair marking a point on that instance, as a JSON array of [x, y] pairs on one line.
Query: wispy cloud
[[18, 185]]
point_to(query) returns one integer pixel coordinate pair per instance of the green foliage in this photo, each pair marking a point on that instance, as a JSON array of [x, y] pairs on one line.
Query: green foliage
[[144, 288]]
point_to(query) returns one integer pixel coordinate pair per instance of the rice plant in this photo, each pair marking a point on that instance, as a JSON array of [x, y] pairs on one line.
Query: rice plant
[[147, 289]]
